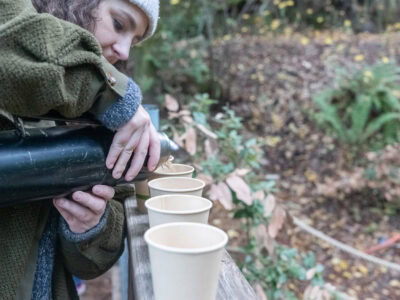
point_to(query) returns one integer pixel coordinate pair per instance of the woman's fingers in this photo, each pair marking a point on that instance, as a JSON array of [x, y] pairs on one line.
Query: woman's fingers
[[123, 136], [103, 191], [79, 218], [85, 210], [154, 149], [139, 156], [66, 215], [125, 142], [117, 146], [127, 152]]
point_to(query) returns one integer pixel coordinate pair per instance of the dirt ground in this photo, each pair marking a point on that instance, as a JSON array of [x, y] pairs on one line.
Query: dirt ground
[[270, 82]]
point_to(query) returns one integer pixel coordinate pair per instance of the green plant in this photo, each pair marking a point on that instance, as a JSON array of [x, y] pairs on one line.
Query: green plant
[[275, 273], [363, 107], [274, 266]]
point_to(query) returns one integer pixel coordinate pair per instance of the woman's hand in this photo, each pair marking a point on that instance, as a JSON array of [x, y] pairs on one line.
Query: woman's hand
[[136, 137], [85, 210]]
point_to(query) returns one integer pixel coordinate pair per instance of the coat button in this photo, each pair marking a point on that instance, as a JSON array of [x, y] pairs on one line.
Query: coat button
[[111, 80]]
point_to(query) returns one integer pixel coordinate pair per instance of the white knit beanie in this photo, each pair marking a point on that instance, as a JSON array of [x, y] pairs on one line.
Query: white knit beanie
[[151, 9]]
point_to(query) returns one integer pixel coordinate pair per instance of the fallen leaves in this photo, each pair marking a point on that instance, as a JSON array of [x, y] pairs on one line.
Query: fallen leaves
[[269, 205], [206, 131], [264, 239], [316, 293], [277, 220], [171, 103], [221, 192], [207, 179], [241, 188], [190, 140]]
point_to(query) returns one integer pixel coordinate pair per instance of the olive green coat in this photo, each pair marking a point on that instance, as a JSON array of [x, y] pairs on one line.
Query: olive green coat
[[50, 65]]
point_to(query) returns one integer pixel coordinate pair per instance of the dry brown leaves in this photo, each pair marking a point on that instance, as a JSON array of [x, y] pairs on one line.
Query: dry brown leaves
[[221, 192], [241, 188], [171, 103], [277, 220], [264, 239], [316, 293], [384, 169]]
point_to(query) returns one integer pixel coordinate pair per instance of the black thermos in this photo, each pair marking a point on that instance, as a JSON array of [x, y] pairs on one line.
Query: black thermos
[[50, 162]]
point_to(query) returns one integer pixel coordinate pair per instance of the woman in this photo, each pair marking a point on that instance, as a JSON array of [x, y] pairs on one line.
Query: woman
[[63, 67]]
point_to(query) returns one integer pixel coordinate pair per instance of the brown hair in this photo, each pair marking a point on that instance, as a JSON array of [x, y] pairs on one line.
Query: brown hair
[[79, 12]]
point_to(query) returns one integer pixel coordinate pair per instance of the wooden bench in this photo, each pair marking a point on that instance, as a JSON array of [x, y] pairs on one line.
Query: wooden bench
[[232, 284]]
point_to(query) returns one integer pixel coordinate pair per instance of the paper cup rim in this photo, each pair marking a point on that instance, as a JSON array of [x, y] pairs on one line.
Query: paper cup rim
[[151, 182], [218, 246], [176, 174], [178, 212]]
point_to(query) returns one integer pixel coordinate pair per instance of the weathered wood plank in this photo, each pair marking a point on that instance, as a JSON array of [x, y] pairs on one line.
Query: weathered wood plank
[[232, 284]]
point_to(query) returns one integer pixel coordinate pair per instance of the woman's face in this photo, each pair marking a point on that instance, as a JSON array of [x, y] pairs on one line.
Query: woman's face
[[119, 26]]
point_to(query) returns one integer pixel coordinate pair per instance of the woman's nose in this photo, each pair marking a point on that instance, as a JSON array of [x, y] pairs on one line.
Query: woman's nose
[[122, 49]]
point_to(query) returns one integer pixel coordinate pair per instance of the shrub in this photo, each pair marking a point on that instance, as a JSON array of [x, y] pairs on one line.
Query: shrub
[[363, 107]]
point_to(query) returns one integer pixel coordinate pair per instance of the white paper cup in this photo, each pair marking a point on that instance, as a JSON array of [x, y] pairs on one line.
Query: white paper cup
[[176, 185], [178, 208], [177, 170], [185, 260]]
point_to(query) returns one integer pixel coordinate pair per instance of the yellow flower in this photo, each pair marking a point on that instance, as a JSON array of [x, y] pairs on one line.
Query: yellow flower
[[246, 16], [363, 269], [368, 76], [397, 25], [288, 31], [276, 2], [347, 275], [328, 41], [309, 11], [227, 37], [359, 57], [174, 2], [275, 24], [320, 20], [305, 41], [244, 29], [347, 23], [282, 5], [290, 3], [385, 60], [343, 265]]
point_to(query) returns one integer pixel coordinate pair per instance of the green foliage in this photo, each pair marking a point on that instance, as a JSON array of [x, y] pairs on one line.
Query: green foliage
[[215, 167], [179, 57], [363, 107], [236, 149], [276, 273]]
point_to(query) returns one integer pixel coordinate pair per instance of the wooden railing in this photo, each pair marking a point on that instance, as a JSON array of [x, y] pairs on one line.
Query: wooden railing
[[232, 284]]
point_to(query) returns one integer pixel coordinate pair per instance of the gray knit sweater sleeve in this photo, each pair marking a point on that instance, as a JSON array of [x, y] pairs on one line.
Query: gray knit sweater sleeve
[[122, 110], [88, 235]]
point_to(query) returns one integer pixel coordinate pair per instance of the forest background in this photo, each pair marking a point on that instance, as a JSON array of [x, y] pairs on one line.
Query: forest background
[[290, 112]]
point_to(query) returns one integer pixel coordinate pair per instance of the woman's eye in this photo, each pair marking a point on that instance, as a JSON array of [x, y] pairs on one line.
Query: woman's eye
[[117, 25]]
